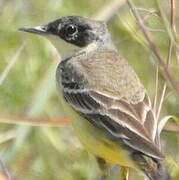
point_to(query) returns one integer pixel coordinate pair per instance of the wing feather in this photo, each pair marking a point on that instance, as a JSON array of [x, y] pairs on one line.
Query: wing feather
[[118, 118], [146, 116]]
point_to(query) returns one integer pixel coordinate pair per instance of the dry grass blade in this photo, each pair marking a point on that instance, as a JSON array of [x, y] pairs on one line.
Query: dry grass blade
[[156, 90], [172, 127], [173, 15], [5, 73], [5, 170], [173, 26], [161, 101], [171, 46], [109, 10], [162, 123], [8, 136], [154, 48], [23, 120], [173, 23]]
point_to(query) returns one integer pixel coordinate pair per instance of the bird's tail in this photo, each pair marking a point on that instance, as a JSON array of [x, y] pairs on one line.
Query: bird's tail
[[154, 169]]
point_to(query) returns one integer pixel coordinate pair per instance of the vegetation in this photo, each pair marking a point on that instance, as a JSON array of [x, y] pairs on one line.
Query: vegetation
[[37, 140]]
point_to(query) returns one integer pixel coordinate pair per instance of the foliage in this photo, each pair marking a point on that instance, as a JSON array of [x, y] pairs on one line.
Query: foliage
[[28, 94]]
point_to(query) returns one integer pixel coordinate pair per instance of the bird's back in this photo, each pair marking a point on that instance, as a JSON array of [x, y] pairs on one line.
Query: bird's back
[[106, 70]]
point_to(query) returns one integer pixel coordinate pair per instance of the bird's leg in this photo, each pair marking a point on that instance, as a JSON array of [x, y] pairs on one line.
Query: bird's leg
[[124, 173], [104, 167]]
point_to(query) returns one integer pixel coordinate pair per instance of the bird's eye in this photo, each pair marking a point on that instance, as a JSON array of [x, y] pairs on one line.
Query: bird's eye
[[71, 30]]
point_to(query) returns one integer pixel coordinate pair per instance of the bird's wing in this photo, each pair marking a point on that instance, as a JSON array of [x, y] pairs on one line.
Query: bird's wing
[[116, 117]]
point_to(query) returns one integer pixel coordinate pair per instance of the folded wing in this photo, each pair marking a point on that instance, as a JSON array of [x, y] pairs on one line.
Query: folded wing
[[122, 121]]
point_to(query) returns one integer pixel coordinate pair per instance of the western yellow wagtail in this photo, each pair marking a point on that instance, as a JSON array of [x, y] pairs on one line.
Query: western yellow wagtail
[[111, 112]]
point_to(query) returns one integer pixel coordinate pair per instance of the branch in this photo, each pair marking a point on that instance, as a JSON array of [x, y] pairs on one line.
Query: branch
[[154, 48]]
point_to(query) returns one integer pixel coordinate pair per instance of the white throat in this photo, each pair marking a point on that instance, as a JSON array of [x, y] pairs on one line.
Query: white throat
[[66, 49]]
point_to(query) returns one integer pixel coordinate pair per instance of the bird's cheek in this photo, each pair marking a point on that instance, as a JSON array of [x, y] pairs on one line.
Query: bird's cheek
[[65, 49]]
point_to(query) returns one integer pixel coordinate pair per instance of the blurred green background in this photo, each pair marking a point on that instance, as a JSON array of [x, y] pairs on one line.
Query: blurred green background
[[29, 104]]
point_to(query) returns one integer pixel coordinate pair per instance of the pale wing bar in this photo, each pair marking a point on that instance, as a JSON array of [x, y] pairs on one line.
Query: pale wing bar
[[148, 119], [141, 112]]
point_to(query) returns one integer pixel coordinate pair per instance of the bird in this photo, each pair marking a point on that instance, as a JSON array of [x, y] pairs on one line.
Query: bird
[[110, 110]]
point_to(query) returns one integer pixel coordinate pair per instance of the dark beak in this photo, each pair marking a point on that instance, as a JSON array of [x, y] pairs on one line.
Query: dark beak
[[41, 30]]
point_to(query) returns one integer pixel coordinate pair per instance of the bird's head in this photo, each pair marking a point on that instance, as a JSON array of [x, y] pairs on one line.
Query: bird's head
[[73, 33]]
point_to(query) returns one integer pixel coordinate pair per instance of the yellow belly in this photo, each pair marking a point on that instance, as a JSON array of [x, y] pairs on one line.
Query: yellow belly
[[96, 141]]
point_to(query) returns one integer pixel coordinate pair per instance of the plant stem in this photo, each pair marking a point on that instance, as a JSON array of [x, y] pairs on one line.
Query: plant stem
[[154, 48]]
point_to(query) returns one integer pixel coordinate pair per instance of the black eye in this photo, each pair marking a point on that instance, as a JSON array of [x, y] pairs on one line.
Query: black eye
[[71, 29]]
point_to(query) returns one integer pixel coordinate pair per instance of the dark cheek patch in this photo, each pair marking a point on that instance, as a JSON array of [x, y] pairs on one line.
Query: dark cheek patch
[[82, 38]]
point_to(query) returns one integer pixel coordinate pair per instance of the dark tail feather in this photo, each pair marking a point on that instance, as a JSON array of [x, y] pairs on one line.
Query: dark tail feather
[[152, 168]]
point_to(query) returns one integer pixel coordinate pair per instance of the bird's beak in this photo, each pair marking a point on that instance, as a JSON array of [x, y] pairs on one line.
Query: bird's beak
[[64, 48], [41, 30]]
